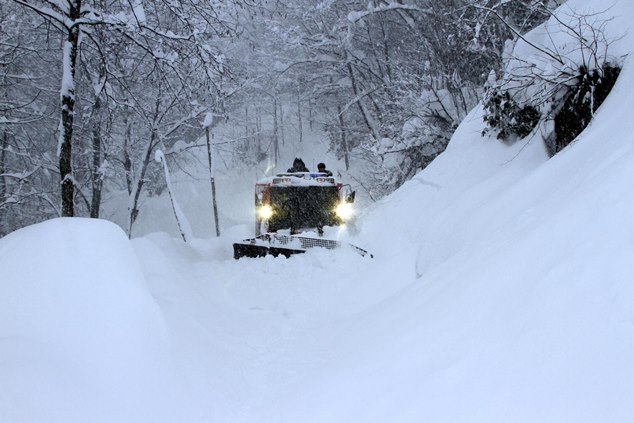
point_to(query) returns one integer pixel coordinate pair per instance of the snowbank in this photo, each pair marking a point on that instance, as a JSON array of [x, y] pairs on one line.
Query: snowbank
[[522, 307], [500, 291], [81, 338]]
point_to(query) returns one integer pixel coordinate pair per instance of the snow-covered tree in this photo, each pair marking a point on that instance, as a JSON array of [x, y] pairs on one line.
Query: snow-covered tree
[[132, 75], [28, 192], [110, 82], [560, 84]]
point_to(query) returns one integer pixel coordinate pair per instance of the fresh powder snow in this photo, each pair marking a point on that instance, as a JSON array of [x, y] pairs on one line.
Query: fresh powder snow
[[500, 291]]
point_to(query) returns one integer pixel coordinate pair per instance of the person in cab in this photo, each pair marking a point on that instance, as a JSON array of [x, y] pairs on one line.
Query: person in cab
[[321, 167], [298, 166]]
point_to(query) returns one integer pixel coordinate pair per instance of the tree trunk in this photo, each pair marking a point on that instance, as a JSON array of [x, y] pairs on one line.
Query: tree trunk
[[3, 181], [247, 143], [139, 182], [97, 174], [299, 116], [258, 127], [364, 114], [4, 148], [181, 221], [386, 52], [282, 124], [71, 47], [276, 144], [127, 161], [344, 141]]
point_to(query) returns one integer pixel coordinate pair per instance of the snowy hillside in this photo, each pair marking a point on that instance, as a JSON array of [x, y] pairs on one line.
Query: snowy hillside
[[501, 290]]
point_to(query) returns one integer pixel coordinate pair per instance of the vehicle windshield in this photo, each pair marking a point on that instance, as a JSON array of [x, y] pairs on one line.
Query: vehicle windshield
[[302, 207]]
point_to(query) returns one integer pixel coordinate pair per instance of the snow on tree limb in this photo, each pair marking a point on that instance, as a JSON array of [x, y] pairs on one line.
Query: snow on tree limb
[[48, 12], [183, 224], [354, 17], [209, 120]]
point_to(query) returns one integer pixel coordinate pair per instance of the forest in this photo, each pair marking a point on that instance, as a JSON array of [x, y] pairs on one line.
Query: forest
[[92, 90]]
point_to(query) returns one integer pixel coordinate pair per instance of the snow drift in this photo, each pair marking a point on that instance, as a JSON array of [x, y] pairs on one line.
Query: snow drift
[[523, 307], [501, 290], [81, 336]]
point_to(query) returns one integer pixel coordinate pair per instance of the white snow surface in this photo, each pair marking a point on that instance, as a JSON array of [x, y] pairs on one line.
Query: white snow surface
[[81, 335], [501, 290]]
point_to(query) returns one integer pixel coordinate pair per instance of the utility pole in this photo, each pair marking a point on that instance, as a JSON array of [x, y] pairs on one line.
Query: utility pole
[[212, 179]]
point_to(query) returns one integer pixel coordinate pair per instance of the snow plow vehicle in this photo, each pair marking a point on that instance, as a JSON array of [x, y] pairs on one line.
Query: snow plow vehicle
[[290, 207]]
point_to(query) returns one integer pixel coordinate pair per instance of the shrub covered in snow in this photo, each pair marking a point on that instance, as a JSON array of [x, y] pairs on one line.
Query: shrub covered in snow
[[580, 102], [558, 74], [506, 117]]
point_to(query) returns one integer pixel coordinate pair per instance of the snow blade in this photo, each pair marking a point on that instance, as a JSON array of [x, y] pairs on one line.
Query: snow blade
[[285, 245]]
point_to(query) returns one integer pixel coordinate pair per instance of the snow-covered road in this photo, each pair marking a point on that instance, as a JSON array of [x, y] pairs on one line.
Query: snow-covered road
[[501, 290], [260, 325]]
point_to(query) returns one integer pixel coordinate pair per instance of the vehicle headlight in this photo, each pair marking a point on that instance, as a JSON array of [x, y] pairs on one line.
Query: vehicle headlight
[[265, 211], [344, 210]]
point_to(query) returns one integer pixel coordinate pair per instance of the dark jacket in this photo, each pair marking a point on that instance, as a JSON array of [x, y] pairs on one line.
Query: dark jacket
[[321, 167], [298, 166]]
